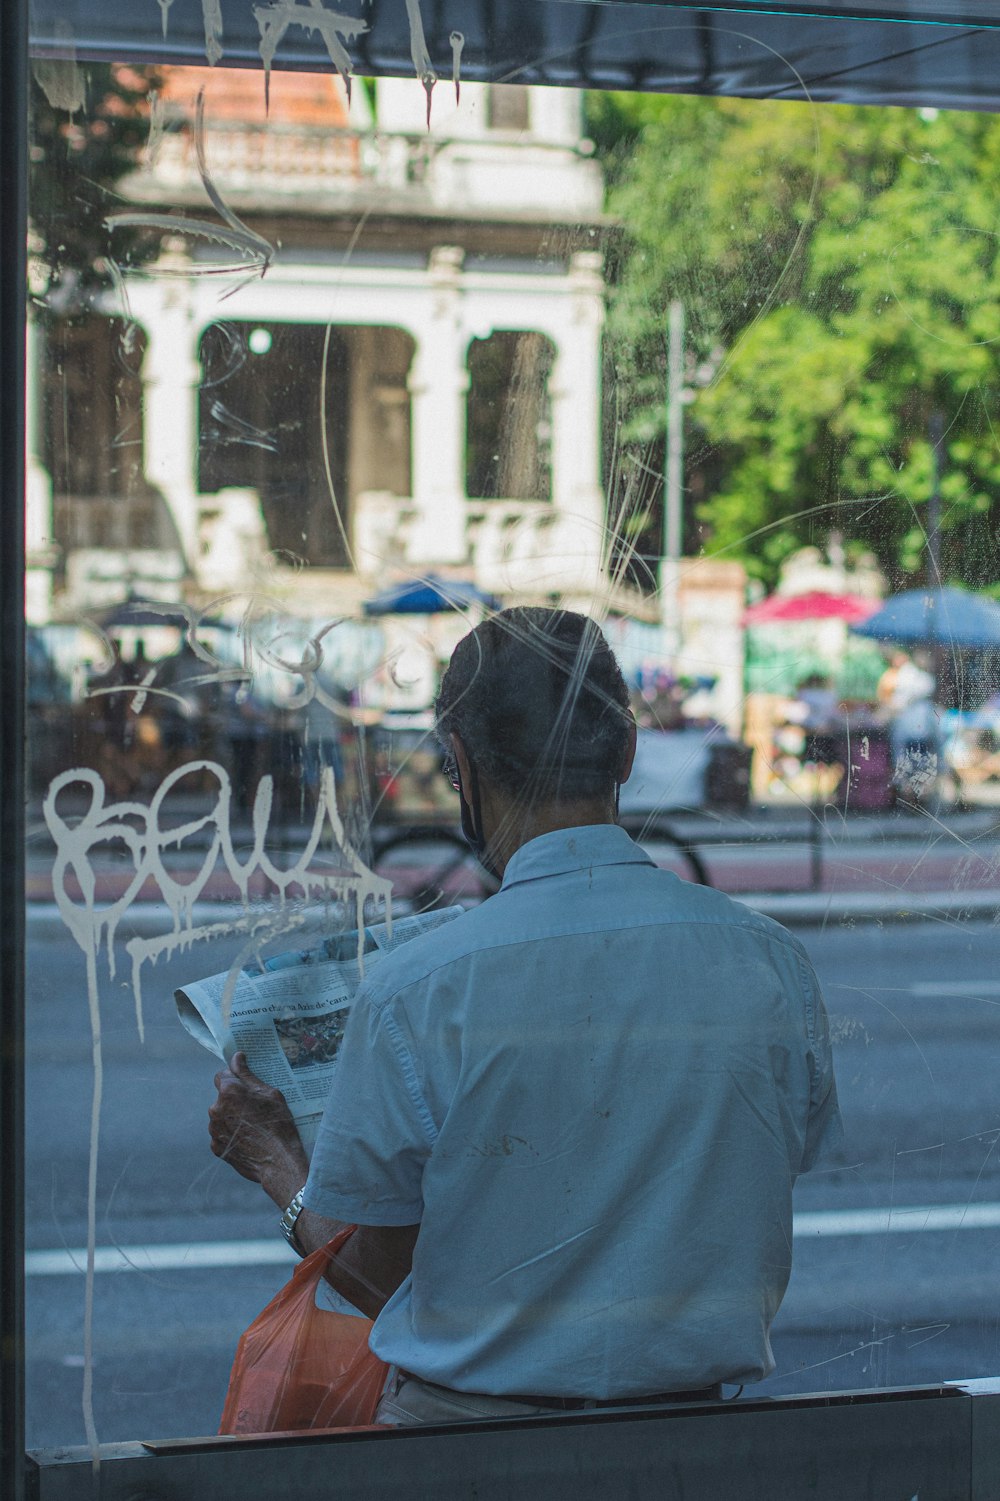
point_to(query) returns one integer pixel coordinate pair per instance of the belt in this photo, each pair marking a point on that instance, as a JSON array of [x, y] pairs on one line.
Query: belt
[[579, 1404]]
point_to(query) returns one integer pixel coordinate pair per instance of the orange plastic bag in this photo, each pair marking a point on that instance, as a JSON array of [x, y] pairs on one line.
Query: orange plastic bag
[[299, 1366]]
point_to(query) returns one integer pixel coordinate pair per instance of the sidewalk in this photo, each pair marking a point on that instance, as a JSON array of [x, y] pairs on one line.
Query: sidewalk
[[886, 867], [798, 865], [809, 909], [780, 821]]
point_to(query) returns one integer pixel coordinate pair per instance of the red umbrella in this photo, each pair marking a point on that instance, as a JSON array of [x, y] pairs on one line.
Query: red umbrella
[[781, 609]]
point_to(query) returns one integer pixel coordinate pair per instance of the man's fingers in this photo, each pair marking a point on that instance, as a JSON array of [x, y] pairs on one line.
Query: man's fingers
[[240, 1073], [247, 1118], [237, 1071], [214, 1132], [221, 1131], [247, 1096]]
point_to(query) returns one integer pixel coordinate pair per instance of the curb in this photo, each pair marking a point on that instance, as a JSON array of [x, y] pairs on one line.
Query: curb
[[792, 909], [809, 908]]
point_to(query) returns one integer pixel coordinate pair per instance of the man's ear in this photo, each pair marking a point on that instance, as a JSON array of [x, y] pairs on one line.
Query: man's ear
[[629, 756]]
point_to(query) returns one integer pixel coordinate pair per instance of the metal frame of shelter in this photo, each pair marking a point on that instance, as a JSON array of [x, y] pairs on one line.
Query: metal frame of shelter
[[902, 52], [13, 219], [938, 1442]]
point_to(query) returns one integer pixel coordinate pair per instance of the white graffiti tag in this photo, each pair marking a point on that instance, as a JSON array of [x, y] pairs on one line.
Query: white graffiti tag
[[145, 836]]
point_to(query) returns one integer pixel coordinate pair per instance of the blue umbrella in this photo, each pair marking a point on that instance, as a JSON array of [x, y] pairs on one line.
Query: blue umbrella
[[946, 617], [429, 595]]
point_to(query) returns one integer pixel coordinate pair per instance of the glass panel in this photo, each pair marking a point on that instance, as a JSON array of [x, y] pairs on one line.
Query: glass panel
[[314, 389]]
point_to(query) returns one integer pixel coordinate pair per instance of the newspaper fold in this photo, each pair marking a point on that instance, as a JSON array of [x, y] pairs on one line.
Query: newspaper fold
[[288, 1012]]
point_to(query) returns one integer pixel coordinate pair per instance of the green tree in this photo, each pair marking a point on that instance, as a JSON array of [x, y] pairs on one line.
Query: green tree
[[840, 270], [76, 157]]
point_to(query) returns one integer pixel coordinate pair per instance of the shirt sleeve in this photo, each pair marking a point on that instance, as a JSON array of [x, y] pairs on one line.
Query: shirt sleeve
[[824, 1129], [377, 1132]]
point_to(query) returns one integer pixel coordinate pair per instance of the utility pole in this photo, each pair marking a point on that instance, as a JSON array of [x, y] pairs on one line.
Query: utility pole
[[935, 432], [936, 435], [673, 482]]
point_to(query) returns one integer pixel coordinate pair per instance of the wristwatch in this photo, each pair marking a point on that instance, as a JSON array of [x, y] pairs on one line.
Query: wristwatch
[[290, 1219]]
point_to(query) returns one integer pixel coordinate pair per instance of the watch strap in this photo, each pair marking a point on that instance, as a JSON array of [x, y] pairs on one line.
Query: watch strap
[[289, 1220]]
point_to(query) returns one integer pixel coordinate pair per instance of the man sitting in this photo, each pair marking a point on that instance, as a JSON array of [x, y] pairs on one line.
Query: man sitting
[[568, 1123]]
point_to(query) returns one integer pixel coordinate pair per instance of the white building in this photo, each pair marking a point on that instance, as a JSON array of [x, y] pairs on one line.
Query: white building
[[414, 384]]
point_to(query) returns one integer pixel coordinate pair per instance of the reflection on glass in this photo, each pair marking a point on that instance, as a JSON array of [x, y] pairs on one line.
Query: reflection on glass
[[262, 509]]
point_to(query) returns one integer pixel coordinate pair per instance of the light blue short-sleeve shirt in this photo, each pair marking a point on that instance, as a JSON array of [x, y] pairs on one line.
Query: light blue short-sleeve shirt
[[594, 1093]]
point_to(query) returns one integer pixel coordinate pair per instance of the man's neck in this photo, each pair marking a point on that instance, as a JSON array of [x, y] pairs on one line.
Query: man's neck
[[508, 826]]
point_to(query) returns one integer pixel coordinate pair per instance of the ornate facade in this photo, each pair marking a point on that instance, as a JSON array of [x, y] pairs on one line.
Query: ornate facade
[[414, 384]]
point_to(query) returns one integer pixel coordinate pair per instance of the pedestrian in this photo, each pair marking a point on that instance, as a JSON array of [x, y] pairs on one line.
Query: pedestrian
[[908, 703], [819, 712], [568, 1124]]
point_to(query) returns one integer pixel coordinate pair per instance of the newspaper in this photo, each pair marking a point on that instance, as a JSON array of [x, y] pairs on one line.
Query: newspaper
[[287, 1013]]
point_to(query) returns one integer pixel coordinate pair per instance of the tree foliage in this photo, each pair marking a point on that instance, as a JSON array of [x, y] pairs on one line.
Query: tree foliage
[[76, 157], [840, 271]]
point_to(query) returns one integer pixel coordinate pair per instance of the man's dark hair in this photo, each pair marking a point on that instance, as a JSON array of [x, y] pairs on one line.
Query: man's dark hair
[[539, 702]]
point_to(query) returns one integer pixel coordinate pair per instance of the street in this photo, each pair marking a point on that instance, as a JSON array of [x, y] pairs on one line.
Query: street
[[873, 1301]]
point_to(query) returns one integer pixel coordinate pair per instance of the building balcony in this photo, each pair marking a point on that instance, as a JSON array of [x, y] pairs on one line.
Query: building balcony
[[512, 548], [321, 170]]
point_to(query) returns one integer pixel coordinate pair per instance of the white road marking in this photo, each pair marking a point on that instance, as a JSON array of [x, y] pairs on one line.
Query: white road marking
[[161, 1258], [955, 987], [908, 1219], [198, 1256]]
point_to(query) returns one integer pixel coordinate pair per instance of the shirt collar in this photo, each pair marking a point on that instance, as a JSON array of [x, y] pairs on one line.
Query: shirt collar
[[566, 850]]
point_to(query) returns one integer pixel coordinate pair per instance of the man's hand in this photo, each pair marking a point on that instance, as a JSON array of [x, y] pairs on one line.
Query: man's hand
[[252, 1128]]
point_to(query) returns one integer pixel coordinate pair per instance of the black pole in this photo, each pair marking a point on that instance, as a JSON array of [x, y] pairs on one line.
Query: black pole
[[13, 222], [935, 432], [936, 436]]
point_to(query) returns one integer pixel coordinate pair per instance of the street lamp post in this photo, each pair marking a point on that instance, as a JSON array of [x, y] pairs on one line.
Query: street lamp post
[[673, 482], [936, 435]]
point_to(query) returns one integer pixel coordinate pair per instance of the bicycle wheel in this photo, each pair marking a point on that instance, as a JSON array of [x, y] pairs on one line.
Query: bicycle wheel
[[669, 849], [431, 868]]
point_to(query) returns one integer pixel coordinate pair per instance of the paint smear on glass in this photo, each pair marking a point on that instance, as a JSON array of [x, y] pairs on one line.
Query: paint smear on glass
[[146, 834], [61, 79], [235, 235], [335, 29], [212, 13], [157, 125], [457, 40], [418, 52]]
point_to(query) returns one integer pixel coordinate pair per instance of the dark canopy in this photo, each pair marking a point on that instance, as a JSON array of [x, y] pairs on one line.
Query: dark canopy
[[948, 617], [904, 52], [429, 595]]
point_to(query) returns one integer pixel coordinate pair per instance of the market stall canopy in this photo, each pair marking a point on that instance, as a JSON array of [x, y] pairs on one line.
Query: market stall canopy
[[428, 596], [782, 609], [948, 617], [902, 52]]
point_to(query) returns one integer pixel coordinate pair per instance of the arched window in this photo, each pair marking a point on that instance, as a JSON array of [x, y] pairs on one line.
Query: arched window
[[92, 436], [509, 421], [309, 416]]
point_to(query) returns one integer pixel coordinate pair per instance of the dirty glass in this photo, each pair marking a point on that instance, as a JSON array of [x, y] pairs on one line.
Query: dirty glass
[[317, 384]]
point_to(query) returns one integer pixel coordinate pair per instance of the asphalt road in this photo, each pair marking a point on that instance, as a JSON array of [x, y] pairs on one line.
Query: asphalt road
[[873, 1301]]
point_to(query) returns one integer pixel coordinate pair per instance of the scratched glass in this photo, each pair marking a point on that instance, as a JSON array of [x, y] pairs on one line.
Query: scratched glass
[[316, 385]]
